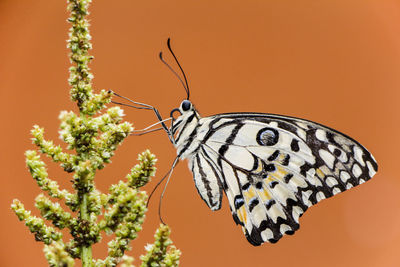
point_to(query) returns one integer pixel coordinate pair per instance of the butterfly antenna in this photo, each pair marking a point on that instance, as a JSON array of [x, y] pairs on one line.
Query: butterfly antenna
[[165, 187], [174, 72], [180, 67]]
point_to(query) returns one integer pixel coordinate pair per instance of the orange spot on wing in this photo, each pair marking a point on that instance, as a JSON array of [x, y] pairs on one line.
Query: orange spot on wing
[[280, 172], [242, 215], [267, 195], [320, 173], [249, 194]]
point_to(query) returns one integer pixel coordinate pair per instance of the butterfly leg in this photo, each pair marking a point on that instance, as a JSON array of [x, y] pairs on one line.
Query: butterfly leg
[[139, 105], [148, 128]]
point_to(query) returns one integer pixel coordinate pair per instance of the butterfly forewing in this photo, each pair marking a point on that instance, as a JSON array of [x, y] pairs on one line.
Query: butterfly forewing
[[271, 167]]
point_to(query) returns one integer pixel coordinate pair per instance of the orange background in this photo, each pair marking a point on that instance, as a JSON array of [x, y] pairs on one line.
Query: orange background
[[334, 62]]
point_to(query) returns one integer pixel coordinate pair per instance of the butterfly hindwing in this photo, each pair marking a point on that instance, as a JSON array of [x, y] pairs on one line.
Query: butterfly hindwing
[[273, 168]]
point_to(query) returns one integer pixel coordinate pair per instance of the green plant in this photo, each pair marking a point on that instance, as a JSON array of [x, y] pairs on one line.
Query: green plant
[[94, 134]]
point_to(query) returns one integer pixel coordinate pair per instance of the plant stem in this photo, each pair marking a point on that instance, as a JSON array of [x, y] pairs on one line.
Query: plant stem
[[86, 255]]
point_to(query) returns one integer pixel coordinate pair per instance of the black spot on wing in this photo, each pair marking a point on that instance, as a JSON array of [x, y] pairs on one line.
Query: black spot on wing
[[330, 136], [239, 202], [245, 186], [294, 145], [274, 155], [273, 184], [267, 136], [305, 168], [285, 161], [270, 167], [287, 177], [337, 152], [269, 203], [259, 185], [252, 203]]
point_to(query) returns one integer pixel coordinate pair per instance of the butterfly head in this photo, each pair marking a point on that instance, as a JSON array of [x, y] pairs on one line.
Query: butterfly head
[[186, 105], [182, 118], [185, 108]]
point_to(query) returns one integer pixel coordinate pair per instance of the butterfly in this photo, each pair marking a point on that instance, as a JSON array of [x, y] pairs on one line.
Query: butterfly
[[272, 168]]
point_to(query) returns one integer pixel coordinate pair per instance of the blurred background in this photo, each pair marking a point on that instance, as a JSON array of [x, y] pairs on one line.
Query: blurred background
[[333, 62]]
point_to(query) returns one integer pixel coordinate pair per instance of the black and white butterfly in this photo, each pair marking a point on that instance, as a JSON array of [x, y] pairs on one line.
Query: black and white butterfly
[[272, 168]]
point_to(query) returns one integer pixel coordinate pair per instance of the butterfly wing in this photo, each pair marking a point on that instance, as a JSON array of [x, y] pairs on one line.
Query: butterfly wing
[[272, 168]]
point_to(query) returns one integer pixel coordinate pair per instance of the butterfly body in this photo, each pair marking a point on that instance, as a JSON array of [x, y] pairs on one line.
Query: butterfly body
[[271, 167]]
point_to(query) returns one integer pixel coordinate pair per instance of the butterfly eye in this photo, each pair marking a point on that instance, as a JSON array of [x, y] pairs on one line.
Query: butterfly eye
[[186, 105], [174, 112]]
